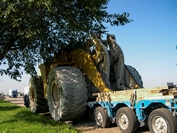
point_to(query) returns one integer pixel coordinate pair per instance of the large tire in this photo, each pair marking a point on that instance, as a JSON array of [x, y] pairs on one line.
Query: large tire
[[162, 120], [136, 76], [66, 93], [38, 104], [126, 120], [101, 117]]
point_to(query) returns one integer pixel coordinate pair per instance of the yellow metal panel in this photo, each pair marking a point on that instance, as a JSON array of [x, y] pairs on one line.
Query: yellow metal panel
[[44, 68], [82, 59]]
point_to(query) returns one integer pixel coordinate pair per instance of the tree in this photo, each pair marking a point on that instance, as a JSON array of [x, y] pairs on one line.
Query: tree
[[34, 29]]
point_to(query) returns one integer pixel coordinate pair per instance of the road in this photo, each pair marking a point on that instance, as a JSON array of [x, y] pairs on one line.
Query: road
[[82, 123]]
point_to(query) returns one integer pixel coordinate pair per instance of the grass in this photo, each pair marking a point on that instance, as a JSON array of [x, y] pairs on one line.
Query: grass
[[15, 119]]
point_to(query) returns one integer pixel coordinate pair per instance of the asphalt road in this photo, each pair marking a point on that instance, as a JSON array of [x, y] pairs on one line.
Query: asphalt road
[[82, 123]]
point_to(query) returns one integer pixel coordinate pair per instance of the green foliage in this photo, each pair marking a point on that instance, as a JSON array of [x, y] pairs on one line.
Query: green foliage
[[34, 29], [15, 119]]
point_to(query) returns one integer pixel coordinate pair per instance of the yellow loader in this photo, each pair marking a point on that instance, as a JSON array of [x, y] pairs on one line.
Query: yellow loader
[[68, 81]]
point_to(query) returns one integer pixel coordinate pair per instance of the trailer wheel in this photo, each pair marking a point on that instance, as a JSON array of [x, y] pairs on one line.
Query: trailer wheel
[[101, 117], [126, 120], [162, 120], [66, 93], [38, 104]]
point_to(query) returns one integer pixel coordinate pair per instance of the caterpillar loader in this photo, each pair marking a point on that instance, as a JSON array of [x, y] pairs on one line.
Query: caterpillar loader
[[68, 81]]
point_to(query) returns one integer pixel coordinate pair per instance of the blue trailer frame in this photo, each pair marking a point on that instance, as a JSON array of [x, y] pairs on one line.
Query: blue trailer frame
[[142, 108]]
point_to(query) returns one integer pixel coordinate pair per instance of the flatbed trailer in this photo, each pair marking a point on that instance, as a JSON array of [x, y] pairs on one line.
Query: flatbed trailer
[[130, 109]]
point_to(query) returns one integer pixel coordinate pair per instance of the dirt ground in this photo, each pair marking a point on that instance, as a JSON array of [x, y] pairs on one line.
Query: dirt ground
[[87, 126]]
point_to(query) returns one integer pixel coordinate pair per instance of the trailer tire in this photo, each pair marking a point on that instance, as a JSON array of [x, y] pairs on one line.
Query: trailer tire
[[164, 118], [38, 104], [101, 117], [126, 120], [66, 93]]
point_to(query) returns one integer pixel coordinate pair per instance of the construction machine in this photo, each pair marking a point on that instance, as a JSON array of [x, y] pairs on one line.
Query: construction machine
[[68, 81], [96, 78]]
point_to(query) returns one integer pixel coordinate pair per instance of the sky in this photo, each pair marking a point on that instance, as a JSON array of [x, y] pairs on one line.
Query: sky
[[149, 42]]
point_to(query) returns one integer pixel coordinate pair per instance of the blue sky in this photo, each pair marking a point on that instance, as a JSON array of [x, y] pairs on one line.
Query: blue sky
[[148, 42]]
